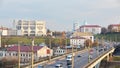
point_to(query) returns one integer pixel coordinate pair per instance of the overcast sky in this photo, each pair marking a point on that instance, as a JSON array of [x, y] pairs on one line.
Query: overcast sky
[[61, 14]]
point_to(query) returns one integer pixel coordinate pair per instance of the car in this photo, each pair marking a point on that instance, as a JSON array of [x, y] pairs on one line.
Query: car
[[59, 65], [79, 56], [40, 66]]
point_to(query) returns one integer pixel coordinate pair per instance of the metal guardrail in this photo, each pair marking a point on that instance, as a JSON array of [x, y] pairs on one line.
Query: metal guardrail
[[59, 57], [86, 66]]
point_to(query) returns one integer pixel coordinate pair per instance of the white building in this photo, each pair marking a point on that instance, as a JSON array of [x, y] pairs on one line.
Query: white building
[[94, 29], [78, 38], [59, 51], [7, 31], [114, 28], [77, 41], [25, 52], [30, 28]]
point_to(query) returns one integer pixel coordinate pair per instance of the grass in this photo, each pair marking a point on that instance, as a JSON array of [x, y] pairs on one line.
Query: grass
[[116, 58]]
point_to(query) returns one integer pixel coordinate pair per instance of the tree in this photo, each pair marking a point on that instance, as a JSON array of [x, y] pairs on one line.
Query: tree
[[104, 30], [88, 43], [95, 43]]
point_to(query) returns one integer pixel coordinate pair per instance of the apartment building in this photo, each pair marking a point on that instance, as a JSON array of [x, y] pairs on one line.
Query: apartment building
[[30, 28]]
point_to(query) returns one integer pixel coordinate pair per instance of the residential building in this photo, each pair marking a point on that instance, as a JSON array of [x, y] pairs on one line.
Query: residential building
[[30, 28], [94, 29], [25, 52], [77, 41], [78, 38], [7, 31], [114, 28], [59, 51]]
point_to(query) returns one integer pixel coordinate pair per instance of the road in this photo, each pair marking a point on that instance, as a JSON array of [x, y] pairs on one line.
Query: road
[[79, 62]]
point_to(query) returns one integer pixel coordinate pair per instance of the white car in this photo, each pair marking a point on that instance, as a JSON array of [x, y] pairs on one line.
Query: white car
[[59, 65]]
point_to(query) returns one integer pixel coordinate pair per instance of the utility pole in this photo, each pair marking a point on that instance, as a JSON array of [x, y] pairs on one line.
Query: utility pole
[[66, 46], [72, 57], [32, 53], [18, 55], [50, 50]]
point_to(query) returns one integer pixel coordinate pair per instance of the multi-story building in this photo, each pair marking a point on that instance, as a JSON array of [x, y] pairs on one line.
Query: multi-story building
[[114, 28], [31, 28], [94, 29], [79, 38]]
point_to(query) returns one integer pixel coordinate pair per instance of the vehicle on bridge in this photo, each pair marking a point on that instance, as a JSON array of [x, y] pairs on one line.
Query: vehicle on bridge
[[59, 65], [69, 59]]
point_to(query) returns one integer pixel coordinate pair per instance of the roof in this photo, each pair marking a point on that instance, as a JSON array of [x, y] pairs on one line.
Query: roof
[[90, 26], [114, 25], [78, 37], [24, 48], [75, 34]]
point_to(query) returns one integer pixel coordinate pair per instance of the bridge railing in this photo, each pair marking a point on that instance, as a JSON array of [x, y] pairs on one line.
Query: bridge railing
[[93, 61]]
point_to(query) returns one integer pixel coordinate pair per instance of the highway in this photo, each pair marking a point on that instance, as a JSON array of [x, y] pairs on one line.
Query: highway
[[79, 62]]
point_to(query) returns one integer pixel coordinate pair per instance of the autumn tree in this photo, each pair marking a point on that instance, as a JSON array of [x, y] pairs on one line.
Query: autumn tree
[[88, 43]]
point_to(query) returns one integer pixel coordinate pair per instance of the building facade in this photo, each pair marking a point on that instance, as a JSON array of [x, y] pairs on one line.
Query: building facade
[[30, 28], [114, 28], [26, 52], [78, 38], [94, 29], [59, 51]]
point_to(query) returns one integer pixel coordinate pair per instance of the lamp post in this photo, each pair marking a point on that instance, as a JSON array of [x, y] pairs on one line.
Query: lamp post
[[1, 31], [18, 55], [50, 50], [32, 54], [72, 57]]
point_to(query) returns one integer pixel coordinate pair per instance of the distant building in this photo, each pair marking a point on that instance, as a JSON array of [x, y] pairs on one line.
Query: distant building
[[114, 28], [78, 38], [94, 29], [25, 52], [30, 28], [59, 51], [75, 27], [7, 31], [77, 41]]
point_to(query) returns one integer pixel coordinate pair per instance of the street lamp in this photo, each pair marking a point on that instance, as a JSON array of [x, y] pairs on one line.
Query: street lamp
[[32, 53], [1, 31]]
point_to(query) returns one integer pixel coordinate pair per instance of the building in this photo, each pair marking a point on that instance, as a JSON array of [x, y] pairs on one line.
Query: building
[[30, 28], [25, 52], [114, 28], [75, 27], [59, 51], [78, 38], [94, 29], [77, 41], [7, 31]]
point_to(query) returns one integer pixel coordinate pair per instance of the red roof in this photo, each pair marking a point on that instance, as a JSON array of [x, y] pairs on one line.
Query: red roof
[[114, 25], [24, 48], [89, 26]]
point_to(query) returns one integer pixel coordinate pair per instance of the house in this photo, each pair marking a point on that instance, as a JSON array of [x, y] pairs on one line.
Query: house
[[59, 51], [26, 52], [94, 29], [114, 28], [78, 38], [77, 41]]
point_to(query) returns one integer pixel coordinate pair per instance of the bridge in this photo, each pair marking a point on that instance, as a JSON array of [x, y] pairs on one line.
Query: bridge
[[79, 62], [96, 62]]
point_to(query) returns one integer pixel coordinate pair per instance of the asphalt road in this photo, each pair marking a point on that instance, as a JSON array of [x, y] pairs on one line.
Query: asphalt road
[[79, 62]]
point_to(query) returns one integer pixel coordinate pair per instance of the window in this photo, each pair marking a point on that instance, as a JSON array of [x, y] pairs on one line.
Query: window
[[86, 30], [1, 54], [9, 54]]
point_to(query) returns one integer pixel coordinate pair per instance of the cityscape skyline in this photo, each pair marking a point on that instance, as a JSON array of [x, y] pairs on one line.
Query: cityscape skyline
[[59, 14]]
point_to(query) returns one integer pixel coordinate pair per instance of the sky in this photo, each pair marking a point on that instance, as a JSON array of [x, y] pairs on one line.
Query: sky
[[61, 14]]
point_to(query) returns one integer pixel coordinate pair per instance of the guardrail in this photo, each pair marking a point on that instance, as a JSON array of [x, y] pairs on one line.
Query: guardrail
[[95, 60], [59, 57]]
